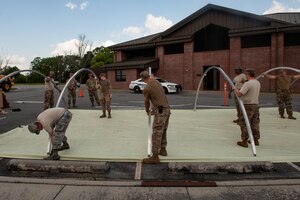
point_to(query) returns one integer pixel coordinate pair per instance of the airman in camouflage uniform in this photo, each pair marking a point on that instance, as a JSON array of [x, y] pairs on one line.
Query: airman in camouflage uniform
[[249, 94], [72, 91], [106, 95], [92, 89], [283, 93], [238, 81], [49, 91], [55, 121], [154, 94]]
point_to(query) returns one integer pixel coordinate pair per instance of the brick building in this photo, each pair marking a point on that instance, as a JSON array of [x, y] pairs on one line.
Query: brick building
[[212, 36]]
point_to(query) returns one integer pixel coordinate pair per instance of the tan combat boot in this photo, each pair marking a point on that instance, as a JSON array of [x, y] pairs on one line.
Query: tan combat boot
[[103, 115], [243, 143], [154, 159], [163, 151]]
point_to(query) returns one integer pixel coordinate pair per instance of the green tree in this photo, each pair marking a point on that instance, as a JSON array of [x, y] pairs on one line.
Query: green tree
[[102, 56]]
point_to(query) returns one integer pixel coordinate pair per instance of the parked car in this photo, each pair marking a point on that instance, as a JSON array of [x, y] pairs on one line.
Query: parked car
[[169, 87]]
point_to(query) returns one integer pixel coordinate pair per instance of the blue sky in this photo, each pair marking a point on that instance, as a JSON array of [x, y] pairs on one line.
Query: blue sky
[[44, 28]]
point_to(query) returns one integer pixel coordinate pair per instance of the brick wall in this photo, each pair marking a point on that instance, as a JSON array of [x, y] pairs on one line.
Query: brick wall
[[131, 75]]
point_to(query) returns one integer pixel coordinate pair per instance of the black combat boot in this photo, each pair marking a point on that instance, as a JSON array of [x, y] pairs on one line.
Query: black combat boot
[[163, 151], [53, 156], [64, 146], [103, 115], [109, 114], [154, 159]]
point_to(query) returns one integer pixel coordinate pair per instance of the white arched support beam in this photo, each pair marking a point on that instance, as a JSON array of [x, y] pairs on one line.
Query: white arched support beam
[[239, 100]]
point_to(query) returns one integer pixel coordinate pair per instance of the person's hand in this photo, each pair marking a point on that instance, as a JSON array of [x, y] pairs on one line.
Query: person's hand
[[110, 96], [152, 112]]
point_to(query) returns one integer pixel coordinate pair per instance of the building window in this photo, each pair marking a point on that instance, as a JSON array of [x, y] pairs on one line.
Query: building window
[[174, 48], [120, 75], [256, 41], [291, 39], [211, 38]]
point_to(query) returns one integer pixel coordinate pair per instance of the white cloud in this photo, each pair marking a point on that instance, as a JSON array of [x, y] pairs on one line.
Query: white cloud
[[67, 47], [132, 31], [278, 7], [152, 25], [84, 5], [71, 5], [15, 60], [108, 43], [157, 24]]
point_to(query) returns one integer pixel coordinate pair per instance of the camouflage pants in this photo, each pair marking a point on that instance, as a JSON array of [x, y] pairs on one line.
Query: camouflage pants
[[284, 100], [60, 130], [237, 106], [253, 116], [105, 102], [72, 97], [94, 95], [159, 128], [49, 99]]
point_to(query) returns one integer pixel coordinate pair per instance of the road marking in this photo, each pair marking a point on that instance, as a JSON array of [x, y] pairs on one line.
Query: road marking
[[1, 118], [20, 102], [294, 166], [138, 171]]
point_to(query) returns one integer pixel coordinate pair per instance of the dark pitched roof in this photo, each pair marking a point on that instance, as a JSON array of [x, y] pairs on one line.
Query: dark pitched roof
[[290, 17], [136, 63], [143, 41], [209, 7]]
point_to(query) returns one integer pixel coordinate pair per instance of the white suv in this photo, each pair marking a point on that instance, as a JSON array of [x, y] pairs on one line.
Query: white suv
[[139, 85]]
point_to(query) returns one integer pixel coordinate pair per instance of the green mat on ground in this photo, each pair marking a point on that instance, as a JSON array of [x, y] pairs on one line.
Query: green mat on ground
[[197, 136]]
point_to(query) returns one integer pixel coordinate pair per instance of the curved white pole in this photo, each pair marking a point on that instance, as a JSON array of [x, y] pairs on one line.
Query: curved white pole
[[276, 68], [68, 83], [240, 104]]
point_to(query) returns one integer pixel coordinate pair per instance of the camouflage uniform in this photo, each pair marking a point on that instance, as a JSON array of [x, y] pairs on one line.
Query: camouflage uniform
[[60, 129], [238, 83], [91, 84], [253, 116], [283, 94], [55, 121], [105, 98], [155, 93], [72, 92], [49, 93]]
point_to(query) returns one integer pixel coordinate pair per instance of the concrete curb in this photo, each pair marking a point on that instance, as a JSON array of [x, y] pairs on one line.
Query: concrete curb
[[58, 166], [215, 168]]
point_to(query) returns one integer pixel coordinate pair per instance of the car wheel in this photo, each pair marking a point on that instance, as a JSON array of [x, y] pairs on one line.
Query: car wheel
[[166, 90], [137, 89]]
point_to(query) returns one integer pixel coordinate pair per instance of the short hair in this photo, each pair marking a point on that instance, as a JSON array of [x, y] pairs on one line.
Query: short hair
[[251, 72], [102, 74]]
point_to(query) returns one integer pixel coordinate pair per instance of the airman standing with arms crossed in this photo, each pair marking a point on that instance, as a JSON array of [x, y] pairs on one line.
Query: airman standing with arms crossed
[[249, 94], [92, 89], [49, 91], [154, 94], [283, 93], [106, 95], [72, 91]]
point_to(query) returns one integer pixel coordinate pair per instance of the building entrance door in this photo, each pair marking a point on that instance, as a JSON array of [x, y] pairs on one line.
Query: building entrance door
[[212, 79]]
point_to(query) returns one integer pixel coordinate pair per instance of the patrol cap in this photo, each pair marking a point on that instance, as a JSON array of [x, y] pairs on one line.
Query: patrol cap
[[144, 75], [33, 127]]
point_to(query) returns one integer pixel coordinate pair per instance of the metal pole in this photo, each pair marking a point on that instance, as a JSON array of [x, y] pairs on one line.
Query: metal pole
[[240, 104], [149, 128]]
